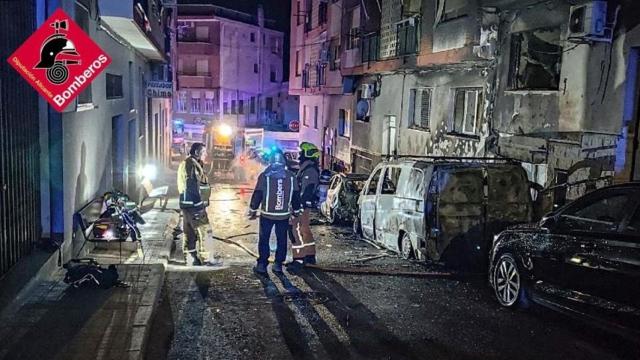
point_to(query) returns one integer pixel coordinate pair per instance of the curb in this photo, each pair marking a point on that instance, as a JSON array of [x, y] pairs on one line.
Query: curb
[[145, 313], [165, 253]]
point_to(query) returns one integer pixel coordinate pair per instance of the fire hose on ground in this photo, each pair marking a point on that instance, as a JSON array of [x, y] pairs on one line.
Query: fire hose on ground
[[345, 270]]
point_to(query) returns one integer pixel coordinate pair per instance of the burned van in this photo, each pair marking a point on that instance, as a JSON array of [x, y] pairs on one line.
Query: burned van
[[443, 210]]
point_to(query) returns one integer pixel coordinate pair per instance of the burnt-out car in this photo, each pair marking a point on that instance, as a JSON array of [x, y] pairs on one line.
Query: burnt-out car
[[341, 203], [583, 258], [443, 210]]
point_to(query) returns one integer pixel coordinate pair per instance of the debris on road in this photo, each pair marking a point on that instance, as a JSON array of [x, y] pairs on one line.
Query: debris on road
[[377, 271]]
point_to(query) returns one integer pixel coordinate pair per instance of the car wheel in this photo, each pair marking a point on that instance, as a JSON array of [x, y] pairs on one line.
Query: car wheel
[[332, 216], [406, 249], [507, 281]]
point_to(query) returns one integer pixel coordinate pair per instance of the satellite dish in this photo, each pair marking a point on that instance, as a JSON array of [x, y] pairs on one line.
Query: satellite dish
[[362, 109]]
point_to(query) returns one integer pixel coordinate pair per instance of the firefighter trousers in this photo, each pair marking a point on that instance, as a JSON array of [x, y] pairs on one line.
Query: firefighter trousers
[[303, 243], [266, 225], [195, 225]]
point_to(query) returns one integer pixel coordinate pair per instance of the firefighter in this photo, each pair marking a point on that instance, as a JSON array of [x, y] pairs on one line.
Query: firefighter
[[276, 196], [304, 246], [194, 189]]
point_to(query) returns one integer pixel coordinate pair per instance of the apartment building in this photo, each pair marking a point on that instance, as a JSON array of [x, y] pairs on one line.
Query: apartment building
[[474, 78], [230, 70], [326, 112]]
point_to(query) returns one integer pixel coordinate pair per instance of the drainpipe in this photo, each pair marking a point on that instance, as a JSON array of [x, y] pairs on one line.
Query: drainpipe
[[399, 118]]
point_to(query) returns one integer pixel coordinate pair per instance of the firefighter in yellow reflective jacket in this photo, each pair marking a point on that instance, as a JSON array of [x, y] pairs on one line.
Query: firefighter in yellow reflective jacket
[[277, 197], [194, 189]]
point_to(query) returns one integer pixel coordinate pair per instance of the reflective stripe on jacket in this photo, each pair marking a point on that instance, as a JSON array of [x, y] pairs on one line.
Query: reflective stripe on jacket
[[193, 184]]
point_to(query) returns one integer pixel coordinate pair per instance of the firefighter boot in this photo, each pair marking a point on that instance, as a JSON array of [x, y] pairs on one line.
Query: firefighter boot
[[260, 269], [195, 260], [310, 259], [295, 266], [277, 268]]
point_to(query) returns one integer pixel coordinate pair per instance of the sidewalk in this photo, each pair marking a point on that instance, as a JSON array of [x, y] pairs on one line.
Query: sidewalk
[[53, 321]]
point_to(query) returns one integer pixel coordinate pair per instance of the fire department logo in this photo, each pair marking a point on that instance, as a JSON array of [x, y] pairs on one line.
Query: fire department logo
[[59, 60]]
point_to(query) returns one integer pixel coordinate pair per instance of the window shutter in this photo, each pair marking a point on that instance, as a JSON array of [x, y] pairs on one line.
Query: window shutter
[[425, 108]]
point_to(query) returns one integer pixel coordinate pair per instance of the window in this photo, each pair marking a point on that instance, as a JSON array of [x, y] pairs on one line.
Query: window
[[299, 13], [305, 76], [233, 106], [252, 37], [82, 18], [535, 60], [315, 117], [208, 105], [202, 33], [308, 7], [298, 63], [420, 108], [255, 68], [225, 107], [390, 181], [202, 67], [373, 183], [240, 106], [414, 187], [114, 86], [407, 37], [370, 47], [344, 123], [272, 73], [196, 103], [334, 55], [269, 103], [252, 105], [321, 78], [182, 102], [304, 115], [322, 12], [354, 39], [449, 10], [275, 45], [602, 214], [467, 111]]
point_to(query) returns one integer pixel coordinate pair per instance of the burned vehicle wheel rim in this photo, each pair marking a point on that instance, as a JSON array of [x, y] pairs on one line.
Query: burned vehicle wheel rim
[[507, 281], [407, 251]]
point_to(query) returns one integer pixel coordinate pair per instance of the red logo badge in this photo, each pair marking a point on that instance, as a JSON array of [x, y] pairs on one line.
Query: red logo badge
[[59, 60]]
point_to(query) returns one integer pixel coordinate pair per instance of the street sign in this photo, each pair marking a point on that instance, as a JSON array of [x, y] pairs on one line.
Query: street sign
[[59, 60], [294, 125], [159, 89]]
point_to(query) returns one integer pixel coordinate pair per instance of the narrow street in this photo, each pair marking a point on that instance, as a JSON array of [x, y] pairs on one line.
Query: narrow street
[[232, 314]]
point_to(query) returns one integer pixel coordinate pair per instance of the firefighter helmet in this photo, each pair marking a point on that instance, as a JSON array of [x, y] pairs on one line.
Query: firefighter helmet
[[309, 151]]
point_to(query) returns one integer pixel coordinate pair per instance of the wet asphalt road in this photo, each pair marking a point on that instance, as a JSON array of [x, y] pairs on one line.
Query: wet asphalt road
[[232, 314]]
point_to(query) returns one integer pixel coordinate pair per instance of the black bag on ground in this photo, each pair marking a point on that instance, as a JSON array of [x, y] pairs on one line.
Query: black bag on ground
[[88, 273]]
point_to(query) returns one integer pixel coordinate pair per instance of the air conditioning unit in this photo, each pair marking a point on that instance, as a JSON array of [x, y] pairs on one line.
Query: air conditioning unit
[[367, 91], [589, 21]]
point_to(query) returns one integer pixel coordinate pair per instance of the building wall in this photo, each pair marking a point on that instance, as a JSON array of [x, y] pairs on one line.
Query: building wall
[[88, 137]]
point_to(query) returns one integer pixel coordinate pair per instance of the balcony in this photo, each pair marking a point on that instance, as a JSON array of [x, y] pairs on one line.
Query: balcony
[[195, 80], [131, 21], [197, 48]]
